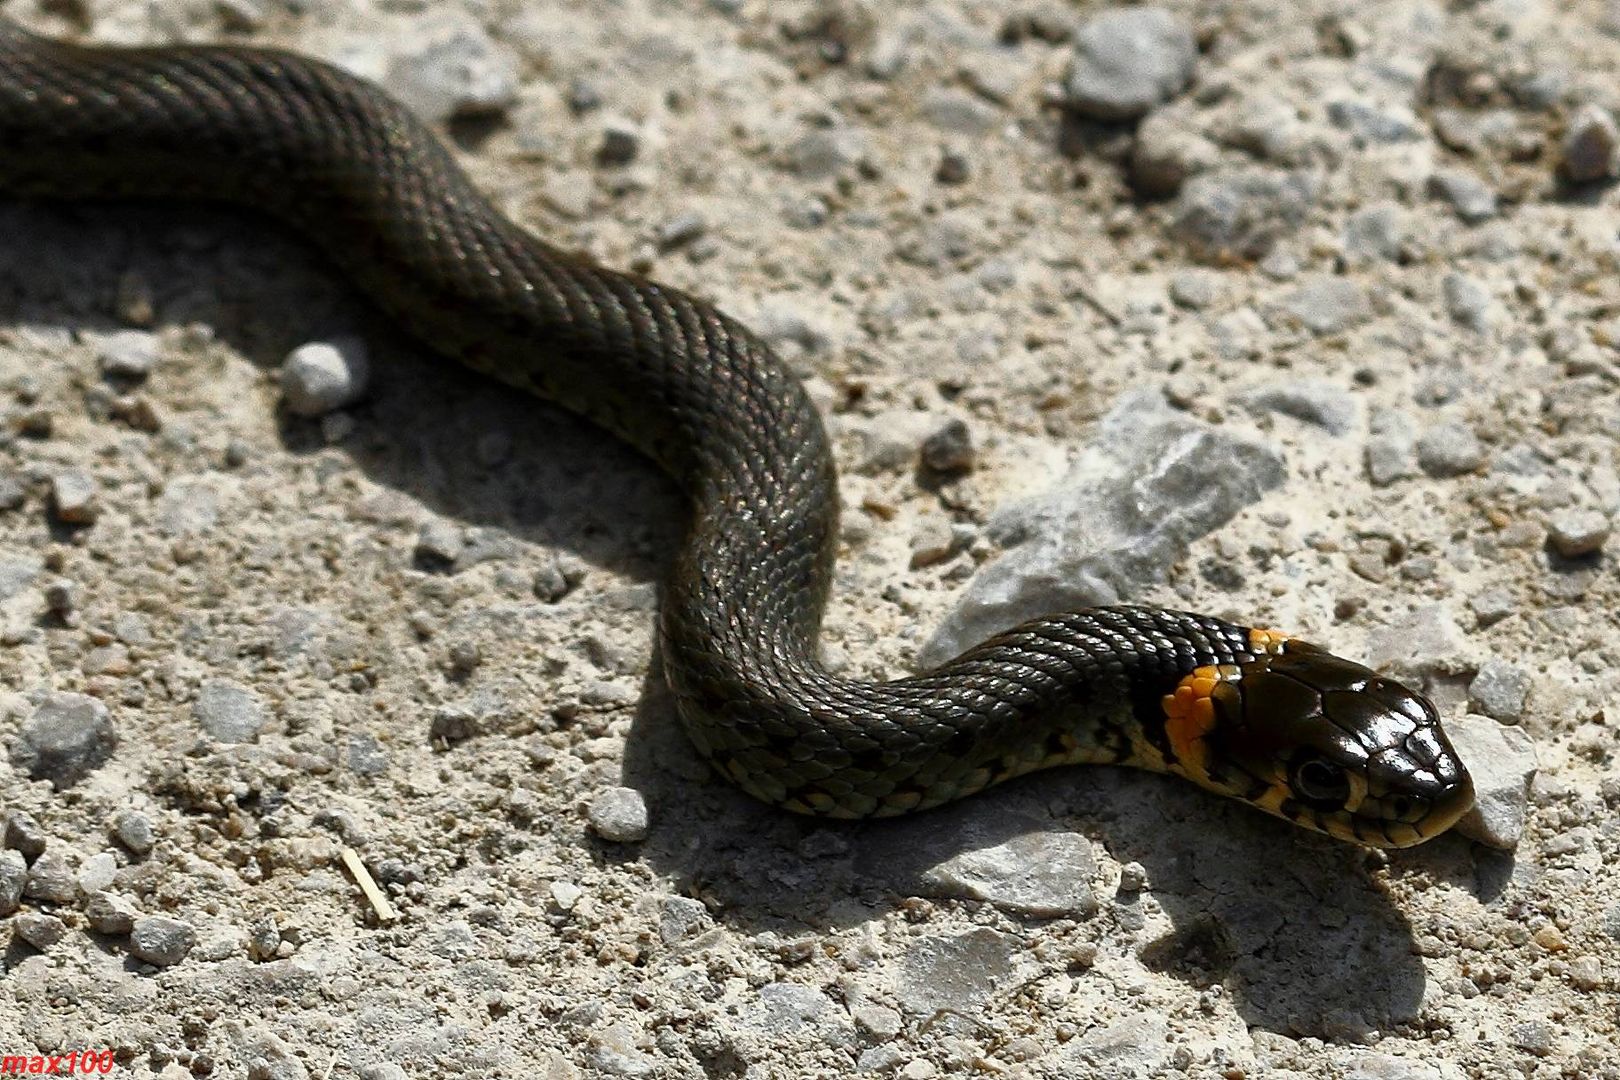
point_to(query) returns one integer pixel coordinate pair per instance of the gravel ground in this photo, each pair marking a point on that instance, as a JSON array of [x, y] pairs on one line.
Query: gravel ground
[[1304, 314]]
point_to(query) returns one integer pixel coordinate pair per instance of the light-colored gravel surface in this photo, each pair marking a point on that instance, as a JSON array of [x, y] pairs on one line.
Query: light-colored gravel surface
[[1323, 338]]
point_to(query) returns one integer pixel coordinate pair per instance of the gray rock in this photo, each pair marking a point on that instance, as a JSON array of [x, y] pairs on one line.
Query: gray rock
[[1312, 401], [618, 814], [1327, 305], [1468, 195], [1391, 447], [1240, 214], [1167, 153], [13, 876], [68, 737], [680, 231], [161, 941], [320, 376], [366, 755], [1499, 690], [682, 917], [955, 971], [1587, 151], [1502, 761], [24, 834], [97, 872], [1128, 60], [133, 829], [188, 508], [229, 712], [1424, 641], [621, 142], [12, 492], [957, 112], [1134, 1046], [949, 449], [783, 1009], [1450, 449], [74, 497], [1193, 289], [1492, 606], [1374, 234], [108, 913], [439, 544], [1014, 860], [1577, 533], [824, 153], [39, 930], [127, 354], [1468, 301], [1151, 482], [1374, 123], [52, 879], [459, 74]]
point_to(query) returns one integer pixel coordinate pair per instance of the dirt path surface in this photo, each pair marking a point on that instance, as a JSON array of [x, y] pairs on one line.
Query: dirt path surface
[[1306, 315]]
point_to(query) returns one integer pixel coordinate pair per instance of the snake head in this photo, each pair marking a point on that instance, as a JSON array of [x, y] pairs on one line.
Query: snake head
[[1326, 743]]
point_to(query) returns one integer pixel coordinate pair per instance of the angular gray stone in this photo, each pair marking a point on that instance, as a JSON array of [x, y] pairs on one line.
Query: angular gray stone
[[618, 814], [127, 354], [1578, 533], [955, 971], [1327, 305], [1499, 690], [1135, 1046], [1468, 302], [1374, 123], [1450, 449], [786, 1009], [23, 834], [1168, 152], [1502, 761], [1127, 60], [1587, 150], [1424, 641], [68, 737], [74, 497], [455, 75], [161, 941], [1152, 481], [681, 917], [1369, 1065], [13, 877], [39, 930], [1391, 447], [1468, 195], [108, 913], [1374, 234], [320, 376], [133, 829], [52, 880], [1014, 860], [229, 712], [1320, 402], [1239, 214]]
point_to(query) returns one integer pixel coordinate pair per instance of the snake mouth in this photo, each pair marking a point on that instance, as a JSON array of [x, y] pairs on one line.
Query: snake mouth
[[1399, 820]]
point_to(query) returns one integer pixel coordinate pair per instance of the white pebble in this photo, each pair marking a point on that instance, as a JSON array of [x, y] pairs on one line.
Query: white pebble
[[324, 375]]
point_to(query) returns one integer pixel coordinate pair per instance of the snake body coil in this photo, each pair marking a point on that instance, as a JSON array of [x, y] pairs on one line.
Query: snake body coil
[[1247, 713]]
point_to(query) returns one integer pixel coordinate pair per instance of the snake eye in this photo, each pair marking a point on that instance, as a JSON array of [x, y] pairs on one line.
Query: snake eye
[[1320, 784]]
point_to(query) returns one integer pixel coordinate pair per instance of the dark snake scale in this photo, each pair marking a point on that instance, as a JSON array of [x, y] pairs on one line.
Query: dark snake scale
[[1248, 713]]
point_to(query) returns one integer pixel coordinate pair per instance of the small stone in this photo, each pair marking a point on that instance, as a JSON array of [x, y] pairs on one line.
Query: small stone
[[12, 493], [682, 917], [439, 544], [1502, 761], [133, 829], [240, 16], [680, 231], [73, 497], [1193, 289], [1374, 234], [1499, 691], [1467, 194], [97, 872], [955, 971], [1372, 123], [1132, 877], [52, 880], [933, 542], [229, 712], [953, 168], [1492, 606], [1586, 973], [452, 724], [1468, 302], [1167, 153], [1312, 401], [39, 930], [24, 834], [619, 146], [13, 877], [1587, 152], [63, 596], [1391, 447], [878, 1021], [127, 354], [68, 737], [785, 1009], [108, 913], [949, 449], [1450, 449], [366, 756], [1327, 305], [618, 814], [460, 75], [1230, 215], [565, 895], [1533, 1037], [161, 941], [1128, 60], [320, 376], [583, 97], [1575, 534]]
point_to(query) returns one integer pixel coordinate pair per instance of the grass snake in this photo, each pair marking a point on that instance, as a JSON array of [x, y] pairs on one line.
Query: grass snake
[[1273, 721]]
